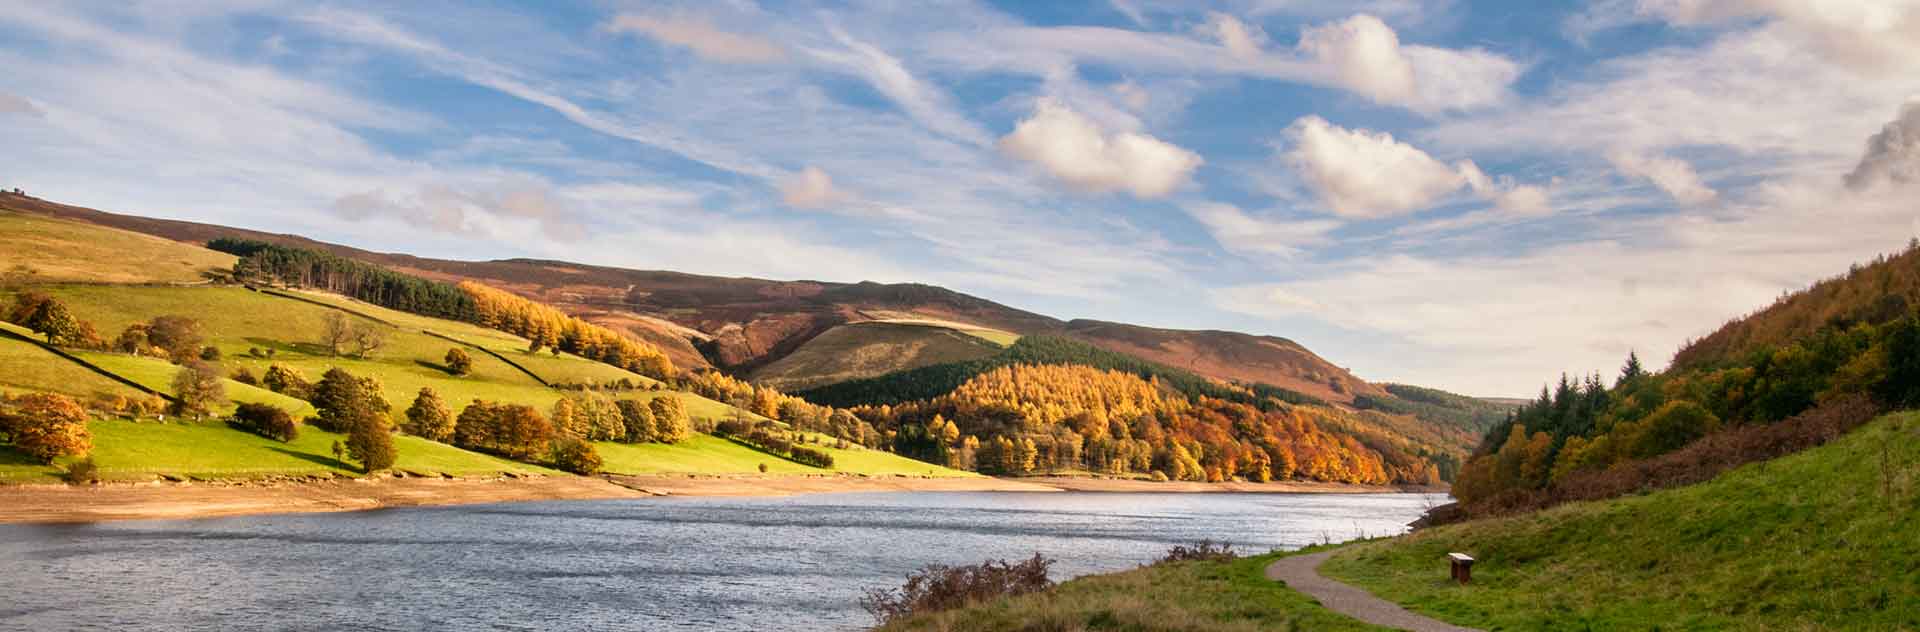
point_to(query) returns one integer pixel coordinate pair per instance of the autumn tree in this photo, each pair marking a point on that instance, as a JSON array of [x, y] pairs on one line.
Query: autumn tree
[[670, 419], [567, 419], [344, 401], [370, 441], [458, 362], [267, 420], [429, 417], [45, 426], [637, 418], [25, 304], [515, 431], [287, 381], [570, 454], [179, 336], [197, 387]]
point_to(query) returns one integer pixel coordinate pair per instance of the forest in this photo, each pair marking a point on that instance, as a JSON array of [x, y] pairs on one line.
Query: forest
[[1844, 340]]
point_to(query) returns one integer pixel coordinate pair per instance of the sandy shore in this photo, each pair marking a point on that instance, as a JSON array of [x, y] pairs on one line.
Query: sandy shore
[[164, 500]]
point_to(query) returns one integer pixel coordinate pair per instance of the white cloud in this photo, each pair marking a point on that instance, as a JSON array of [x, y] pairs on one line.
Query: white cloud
[[1244, 234], [701, 37], [10, 104], [1242, 40], [1864, 34], [1893, 155], [1671, 175], [1080, 153], [1364, 55], [1364, 174], [1360, 54], [887, 74], [810, 188], [1135, 97]]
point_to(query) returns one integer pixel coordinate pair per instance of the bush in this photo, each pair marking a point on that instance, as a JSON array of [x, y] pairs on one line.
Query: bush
[[267, 421], [810, 456], [939, 587], [1158, 476], [1205, 551], [769, 441], [81, 472], [210, 353], [244, 376], [576, 456]]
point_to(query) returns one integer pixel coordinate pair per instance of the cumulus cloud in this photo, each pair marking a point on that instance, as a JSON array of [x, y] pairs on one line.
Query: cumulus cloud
[[1074, 149], [701, 37], [1364, 174], [810, 188], [1893, 155], [10, 104], [1245, 234], [1671, 175], [1241, 39], [1364, 55]]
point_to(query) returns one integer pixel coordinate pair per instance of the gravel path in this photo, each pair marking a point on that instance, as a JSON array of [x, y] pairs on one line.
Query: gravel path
[[1302, 573]]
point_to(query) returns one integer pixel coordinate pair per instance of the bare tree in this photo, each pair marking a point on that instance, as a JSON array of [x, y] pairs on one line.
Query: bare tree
[[335, 330], [368, 337]]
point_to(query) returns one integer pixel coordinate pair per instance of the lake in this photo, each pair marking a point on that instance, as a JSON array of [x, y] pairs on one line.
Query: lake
[[789, 563]]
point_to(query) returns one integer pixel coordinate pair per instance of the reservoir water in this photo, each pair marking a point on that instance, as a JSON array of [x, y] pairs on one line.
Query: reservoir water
[[791, 563]]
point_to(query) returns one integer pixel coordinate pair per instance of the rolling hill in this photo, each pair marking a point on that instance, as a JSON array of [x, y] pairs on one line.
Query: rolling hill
[[744, 324]]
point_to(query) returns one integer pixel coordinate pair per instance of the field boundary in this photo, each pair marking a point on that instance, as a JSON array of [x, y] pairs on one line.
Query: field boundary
[[536, 377], [88, 365]]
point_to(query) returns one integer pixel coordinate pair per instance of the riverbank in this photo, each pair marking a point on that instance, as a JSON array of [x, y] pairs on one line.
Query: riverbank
[[163, 500], [1088, 484]]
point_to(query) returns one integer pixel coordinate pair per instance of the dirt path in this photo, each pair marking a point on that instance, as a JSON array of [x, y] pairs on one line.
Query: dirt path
[[1302, 573]]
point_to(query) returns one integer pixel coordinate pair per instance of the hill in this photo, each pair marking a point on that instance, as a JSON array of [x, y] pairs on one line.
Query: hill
[[1876, 293], [743, 324], [869, 349], [1817, 540], [53, 250]]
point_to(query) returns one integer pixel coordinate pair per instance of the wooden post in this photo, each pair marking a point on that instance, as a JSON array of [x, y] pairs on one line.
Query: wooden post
[[1462, 567]]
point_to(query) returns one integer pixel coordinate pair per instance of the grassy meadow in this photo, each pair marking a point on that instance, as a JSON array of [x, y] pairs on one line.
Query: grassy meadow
[[1179, 597], [1823, 539], [25, 366], [59, 250]]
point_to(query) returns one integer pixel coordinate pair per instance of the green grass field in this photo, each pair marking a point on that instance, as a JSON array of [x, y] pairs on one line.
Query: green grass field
[[1823, 539], [27, 367], [60, 250], [1182, 597], [126, 450], [707, 454]]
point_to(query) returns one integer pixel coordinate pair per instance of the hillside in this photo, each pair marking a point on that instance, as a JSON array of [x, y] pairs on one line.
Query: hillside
[[1822, 539], [53, 250], [743, 324], [868, 349], [1875, 293]]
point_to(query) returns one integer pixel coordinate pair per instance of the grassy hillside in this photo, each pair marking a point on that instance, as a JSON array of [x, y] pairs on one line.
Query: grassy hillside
[[1181, 597], [68, 251], [869, 349], [1823, 539], [27, 367]]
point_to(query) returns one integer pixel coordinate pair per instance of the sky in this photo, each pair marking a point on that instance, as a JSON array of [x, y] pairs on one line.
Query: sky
[[1475, 196]]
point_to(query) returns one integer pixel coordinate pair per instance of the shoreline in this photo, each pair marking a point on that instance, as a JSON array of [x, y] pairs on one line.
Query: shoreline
[[160, 500]]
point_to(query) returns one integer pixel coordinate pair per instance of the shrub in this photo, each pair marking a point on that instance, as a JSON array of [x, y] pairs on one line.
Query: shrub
[[210, 353], [763, 468], [576, 456], [81, 472], [939, 587], [287, 381], [244, 376], [458, 362], [812, 457], [1205, 551], [1158, 476], [268, 421], [769, 441]]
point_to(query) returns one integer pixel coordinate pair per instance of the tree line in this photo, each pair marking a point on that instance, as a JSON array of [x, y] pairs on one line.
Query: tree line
[[1582, 425]]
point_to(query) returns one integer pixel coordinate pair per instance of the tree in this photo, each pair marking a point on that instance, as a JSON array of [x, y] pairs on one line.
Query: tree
[[1632, 370], [287, 381], [24, 305], [197, 387], [45, 426], [367, 337], [601, 416], [458, 362], [133, 341], [573, 455], [52, 319], [335, 330], [638, 419], [429, 417], [344, 400], [179, 336], [370, 442], [670, 419], [567, 419], [267, 420]]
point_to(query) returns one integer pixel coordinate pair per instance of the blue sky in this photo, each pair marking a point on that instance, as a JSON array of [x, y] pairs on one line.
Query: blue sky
[[1470, 195]]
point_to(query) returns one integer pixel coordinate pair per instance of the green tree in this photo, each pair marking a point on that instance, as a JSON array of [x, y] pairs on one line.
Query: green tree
[[267, 420], [370, 441], [53, 320], [197, 387], [459, 362], [429, 417], [343, 400], [670, 419]]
